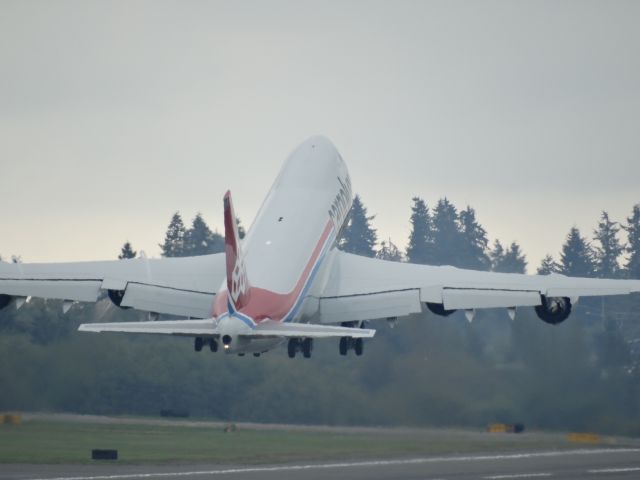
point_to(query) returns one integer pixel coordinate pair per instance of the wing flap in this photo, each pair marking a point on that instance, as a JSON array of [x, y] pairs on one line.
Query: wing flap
[[369, 306], [455, 299], [168, 300], [78, 290]]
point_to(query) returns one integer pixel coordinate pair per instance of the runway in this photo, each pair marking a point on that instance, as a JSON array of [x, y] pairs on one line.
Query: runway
[[596, 463]]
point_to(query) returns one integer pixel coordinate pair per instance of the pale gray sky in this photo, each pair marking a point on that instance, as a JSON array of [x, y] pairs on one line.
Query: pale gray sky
[[113, 115]]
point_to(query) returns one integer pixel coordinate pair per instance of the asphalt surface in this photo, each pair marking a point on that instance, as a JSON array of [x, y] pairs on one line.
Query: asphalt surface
[[592, 463]]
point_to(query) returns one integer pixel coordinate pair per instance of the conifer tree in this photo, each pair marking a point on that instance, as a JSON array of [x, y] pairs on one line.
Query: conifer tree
[[127, 251], [420, 247], [633, 243], [446, 234], [511, 260], [496, 255], [173, 245], [359, 236], [608, 248], [548, 266], [474, 241], [389, 251], [576, 258], [200, 240]]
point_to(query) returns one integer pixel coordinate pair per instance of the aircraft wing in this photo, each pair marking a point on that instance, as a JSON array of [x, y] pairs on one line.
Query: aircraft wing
[[361, 288], [177, 286]]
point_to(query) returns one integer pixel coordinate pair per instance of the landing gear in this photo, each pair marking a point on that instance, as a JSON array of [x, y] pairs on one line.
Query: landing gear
[[292, 348], [349, 343], [200, 342], [344, 345], [305, 345], [358, 346]]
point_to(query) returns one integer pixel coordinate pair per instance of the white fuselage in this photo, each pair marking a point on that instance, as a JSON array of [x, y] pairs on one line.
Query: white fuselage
[[290, 245]]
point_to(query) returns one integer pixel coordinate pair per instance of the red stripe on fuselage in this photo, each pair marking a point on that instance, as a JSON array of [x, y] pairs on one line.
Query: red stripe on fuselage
[[265, 304]]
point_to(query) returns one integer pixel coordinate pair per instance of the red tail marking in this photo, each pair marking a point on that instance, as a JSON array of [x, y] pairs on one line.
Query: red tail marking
[[237, 281]]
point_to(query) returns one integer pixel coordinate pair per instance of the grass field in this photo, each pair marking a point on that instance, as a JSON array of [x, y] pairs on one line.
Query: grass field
[[64, 441]]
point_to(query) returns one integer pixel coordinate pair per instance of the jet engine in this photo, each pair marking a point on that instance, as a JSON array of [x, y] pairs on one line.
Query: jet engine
[[4, 300], [554, 310], [116, 296], [438, 309]]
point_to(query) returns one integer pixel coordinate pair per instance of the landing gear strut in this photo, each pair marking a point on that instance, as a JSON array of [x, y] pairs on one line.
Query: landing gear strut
[[304, 345]]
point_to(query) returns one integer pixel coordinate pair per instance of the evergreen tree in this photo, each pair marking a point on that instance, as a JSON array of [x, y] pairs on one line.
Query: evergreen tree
[[608, 248], [496, 255], [576, 258], [447, 238], [420, 248], [548, 265], [389, 251], [200, 240], [511, 260], [633, 243], [359, 236], [474, 242], [173, 245], [127, 251]]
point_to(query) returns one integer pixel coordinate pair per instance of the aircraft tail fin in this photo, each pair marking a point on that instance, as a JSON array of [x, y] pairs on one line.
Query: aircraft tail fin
[[237, 281]]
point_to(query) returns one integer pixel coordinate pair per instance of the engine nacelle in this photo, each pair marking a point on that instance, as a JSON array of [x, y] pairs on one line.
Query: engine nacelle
[[554, 310], [116, 296], [5, 300], [438, 309]]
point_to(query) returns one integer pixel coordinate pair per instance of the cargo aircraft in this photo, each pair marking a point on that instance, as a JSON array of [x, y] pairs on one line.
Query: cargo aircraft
[[286, 281]]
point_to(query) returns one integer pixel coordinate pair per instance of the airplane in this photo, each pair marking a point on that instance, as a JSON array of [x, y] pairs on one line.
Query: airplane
[[287, 281]]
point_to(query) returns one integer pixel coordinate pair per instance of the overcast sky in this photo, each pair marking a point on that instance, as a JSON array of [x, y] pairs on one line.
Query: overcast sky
[[113, 115]]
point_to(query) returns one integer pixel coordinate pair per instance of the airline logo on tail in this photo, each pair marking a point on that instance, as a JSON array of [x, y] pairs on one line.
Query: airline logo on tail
[[237, 282]]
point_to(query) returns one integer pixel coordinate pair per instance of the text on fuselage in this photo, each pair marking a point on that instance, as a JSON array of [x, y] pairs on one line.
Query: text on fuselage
[[341, 203]]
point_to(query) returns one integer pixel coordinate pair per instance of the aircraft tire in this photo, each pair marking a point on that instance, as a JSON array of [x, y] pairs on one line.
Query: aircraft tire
[[358, 346], [291, 348], [307, 347], [213, 345], [344, 345], [197, 344]]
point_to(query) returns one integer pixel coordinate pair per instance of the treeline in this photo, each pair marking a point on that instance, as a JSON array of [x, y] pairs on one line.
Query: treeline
[[445, 235], [583, 374]]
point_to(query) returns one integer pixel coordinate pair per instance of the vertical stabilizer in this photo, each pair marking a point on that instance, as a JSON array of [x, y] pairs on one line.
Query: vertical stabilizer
[[237, 281]]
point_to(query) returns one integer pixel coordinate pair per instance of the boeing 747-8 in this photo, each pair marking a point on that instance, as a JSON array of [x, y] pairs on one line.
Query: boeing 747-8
[[286, 281]]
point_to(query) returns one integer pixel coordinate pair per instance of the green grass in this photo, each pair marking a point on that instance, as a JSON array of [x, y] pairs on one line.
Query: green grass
[[44, 441]]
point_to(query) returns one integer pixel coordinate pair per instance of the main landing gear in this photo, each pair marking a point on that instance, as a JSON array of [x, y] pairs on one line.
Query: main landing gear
[[349, 343], [304, 345], [200, 342]]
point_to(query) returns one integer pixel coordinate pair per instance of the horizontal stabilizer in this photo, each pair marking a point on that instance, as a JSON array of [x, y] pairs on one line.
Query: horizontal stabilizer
[[209, 327], [309, 330], [169, 327]]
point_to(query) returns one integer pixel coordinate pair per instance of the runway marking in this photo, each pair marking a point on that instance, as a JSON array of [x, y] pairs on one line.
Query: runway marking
[[615, 470], [371, 463], [519, 475]]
